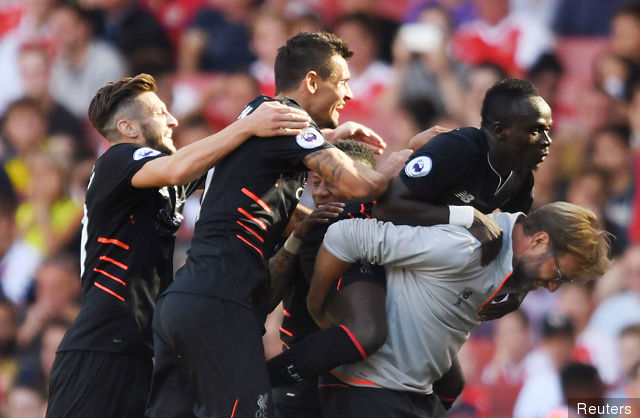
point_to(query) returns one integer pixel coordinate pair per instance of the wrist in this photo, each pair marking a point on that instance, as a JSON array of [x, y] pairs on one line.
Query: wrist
[[292, 244], [461, 215]]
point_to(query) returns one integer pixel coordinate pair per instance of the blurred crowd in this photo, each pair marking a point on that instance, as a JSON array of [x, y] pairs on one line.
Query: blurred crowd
[[416, 63]]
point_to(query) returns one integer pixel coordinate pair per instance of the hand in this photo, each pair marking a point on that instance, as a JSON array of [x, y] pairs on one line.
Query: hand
[[487, 231], [358, 132], [321, 215], [316, 310], [425, 136], [275, 119], [495, 310], [396, 161]]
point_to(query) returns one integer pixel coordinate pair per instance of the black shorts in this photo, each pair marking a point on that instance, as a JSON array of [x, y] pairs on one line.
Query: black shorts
[[360, 272], [209, 360], [297, 401], [340, 400], [98, 384]]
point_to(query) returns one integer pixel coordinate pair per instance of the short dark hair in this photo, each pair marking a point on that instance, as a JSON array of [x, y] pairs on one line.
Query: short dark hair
[[357, 151], [110, 98], [499, 101], [307, 52]]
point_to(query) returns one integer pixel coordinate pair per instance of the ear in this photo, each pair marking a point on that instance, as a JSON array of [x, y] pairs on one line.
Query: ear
[[499, 130], [126, 128], [311, 82], [540, 239]]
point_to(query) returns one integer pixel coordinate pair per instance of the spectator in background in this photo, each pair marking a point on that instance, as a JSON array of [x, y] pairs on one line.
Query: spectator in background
[[57, 289], [173, 15], [24, 132], [18, 260], [581, 384], [622, 309], [502, 378], [513, 42], [32, 26], [592, 345], [26, 402], [629, 354], [226, 96], [8, 365], [611, 154], [83, 64], [370, 76], [35, 70], [585, 17], [269, 31], [134, 31], [217, 39], [49, 219], [481, 78], [541, 390], [424, 68]]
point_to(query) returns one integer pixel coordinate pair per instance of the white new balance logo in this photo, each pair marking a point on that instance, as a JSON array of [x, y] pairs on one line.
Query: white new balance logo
[[465, 196]]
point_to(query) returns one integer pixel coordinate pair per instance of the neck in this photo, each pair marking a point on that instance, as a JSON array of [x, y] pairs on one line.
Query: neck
[[497, 157]]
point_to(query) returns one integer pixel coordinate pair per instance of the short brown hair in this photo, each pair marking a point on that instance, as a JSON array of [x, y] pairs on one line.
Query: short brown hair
[[112, 97], [307, 52], [575, 230]]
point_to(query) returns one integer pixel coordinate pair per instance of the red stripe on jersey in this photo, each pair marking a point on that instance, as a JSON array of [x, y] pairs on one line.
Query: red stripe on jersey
[[286, 313], [363, 211], [357, 381], [253, 218], [235, 405], [339, 284], [493, 295], [355, 341], [112, 261], [250, 244], [109, 291], [256, 199], [251, 231], [104, 240], [285, 344], [111, 276], [286, 331]]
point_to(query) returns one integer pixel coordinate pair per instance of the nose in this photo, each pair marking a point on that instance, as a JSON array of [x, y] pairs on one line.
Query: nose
[[546, 138], [348, 94], [172, 122]]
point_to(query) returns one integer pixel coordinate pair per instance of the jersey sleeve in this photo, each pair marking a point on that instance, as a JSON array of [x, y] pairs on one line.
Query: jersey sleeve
[[120, 164], [293, 149], [429, 249], [437, 166], [522, 200]]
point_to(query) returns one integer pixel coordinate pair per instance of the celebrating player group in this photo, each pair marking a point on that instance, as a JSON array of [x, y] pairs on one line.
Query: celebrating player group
[[382, 282]]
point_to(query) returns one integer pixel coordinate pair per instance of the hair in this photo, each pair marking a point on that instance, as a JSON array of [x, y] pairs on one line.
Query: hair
[[113, 97], [576, 378], [307, 52], [573, 230], [500, 100], [364, 21], [547, 62], [25, 103], [630, 9], [357, 151], [632, 330]]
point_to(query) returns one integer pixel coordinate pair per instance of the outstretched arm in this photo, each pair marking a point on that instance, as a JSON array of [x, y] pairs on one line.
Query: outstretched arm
[[353, 180], [188, 163]]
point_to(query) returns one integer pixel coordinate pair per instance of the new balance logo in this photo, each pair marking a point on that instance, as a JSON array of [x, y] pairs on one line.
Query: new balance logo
[[464, 196], [293, 373], [464, 294]]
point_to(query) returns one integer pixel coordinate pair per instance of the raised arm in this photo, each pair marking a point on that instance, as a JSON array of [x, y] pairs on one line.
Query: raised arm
[[188, 163], [353, 180]]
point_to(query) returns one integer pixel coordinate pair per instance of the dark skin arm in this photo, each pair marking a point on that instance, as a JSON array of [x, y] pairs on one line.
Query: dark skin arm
[[281, 264], [399, 206]]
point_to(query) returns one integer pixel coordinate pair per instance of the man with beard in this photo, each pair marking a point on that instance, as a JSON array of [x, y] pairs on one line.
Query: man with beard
[[208, 324], [132, 212], [436, 286]]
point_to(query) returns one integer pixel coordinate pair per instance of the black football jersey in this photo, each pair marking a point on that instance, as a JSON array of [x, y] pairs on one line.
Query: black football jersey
[[126, 255], [248, 200], [454, 169]]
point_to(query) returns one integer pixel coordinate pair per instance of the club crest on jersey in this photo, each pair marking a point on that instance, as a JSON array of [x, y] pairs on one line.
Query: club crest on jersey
[[310, 138], [144, 152], [418, 167]]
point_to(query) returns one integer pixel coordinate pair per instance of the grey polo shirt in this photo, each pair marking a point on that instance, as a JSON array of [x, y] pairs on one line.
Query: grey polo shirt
[[435, 287]]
